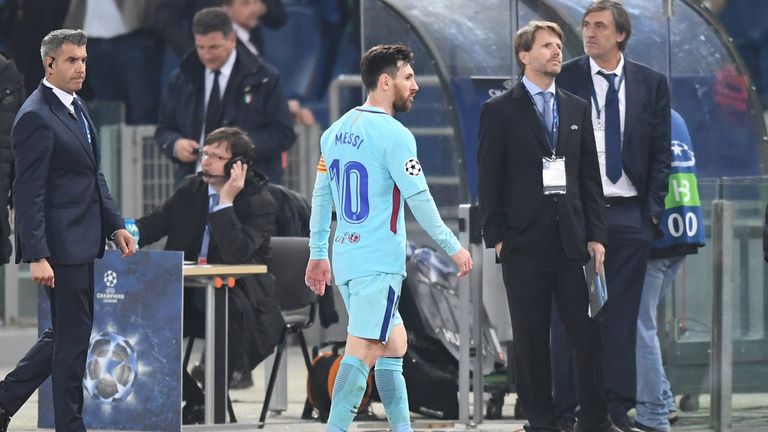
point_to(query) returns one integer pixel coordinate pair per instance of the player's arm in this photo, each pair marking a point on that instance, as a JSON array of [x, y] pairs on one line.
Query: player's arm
[[405, 169], [318, 273], [423, 207], [425, 211]]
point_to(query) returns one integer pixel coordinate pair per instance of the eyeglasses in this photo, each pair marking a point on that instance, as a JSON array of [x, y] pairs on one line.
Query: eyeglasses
[[206, 155]]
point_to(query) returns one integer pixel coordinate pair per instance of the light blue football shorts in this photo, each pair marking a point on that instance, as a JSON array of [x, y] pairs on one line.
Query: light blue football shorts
[[371, 303]]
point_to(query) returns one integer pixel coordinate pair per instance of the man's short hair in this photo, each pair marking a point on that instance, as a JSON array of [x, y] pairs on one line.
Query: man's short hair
[[53, 41], [210, 20], [383, 59], [236, 140], [620, 17], [526, 36]]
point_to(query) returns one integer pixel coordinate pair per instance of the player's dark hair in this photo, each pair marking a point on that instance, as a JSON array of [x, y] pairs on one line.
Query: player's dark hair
[[383, 59]]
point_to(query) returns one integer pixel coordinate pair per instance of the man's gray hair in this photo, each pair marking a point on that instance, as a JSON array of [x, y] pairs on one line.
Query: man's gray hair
[[53, 41]]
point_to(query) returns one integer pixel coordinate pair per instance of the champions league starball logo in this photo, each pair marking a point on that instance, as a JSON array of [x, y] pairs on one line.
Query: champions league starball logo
[[110, 279], [111, 367], [110, 294], [682, 155], [412, 167]]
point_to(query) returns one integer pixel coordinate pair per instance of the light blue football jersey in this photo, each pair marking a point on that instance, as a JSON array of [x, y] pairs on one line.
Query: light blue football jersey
[[369, 164]]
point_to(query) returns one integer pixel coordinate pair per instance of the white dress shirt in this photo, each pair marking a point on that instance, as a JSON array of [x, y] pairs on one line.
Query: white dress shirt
[[623, 187]]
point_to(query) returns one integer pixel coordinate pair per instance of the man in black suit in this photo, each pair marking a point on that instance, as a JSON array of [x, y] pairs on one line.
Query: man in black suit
[[64, 215], [542, 209], [227, 217], [630, 112], [222, 84]]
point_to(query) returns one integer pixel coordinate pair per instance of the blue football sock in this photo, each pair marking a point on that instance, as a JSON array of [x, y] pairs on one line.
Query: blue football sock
[[348, 390], [394, 396]]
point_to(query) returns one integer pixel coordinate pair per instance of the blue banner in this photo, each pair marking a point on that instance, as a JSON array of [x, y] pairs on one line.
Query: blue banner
[[133, 368]]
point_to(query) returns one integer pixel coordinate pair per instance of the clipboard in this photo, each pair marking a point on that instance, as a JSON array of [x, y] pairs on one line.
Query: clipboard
[[598, 289]]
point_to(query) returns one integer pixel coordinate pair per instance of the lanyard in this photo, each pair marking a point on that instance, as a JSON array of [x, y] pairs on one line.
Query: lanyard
[[594, 93], [555, 118]]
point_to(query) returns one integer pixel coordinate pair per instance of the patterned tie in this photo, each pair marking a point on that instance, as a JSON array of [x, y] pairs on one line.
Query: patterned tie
[[213, 110], [83, 123], [612, 130], [213, 201]]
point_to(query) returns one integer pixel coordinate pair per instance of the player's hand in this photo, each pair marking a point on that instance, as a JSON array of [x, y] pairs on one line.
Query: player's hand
[[125, 242], [463, 260], [42, 273], [234, 185], [498, 249], [318, 275], [184, 149], [597, 250]]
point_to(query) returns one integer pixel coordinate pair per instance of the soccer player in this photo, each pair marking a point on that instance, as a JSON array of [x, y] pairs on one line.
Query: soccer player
[[368, 168]]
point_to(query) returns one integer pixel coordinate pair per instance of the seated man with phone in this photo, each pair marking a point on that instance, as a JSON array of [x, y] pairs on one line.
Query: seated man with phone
[[223, 215]]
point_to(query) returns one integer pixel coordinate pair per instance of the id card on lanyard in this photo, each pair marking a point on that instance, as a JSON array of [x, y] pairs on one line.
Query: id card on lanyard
[[553, 175]]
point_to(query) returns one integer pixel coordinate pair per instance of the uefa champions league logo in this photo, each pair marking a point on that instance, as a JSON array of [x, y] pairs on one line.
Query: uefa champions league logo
[[110, 295], [111, 368], [110, 279]]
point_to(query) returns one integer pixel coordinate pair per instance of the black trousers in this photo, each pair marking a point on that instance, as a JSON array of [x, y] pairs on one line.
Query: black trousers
[[532, 282], [60, 352], [626, 258]]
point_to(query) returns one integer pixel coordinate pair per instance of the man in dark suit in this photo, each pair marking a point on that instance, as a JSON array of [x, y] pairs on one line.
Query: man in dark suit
[[225, 217], [630, 106], [64, 215], [542, 209], [223, 85]]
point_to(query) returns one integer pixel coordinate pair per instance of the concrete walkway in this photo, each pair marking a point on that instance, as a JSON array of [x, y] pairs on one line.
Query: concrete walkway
[[750, 411]]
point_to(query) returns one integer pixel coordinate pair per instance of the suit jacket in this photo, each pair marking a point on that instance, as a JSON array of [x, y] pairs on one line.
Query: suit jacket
[[513, 207], [240, 234], [646, 155], [253, 101], [64, 210]]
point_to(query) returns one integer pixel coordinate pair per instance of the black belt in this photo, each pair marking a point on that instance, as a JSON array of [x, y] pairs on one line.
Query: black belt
[[620, 200]]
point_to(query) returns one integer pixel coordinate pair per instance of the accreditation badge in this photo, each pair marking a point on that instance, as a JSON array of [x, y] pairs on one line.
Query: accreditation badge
[[553, 175]]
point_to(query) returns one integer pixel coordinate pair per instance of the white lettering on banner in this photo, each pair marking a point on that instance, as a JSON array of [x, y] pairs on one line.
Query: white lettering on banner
[[681, 188], [677, 226]]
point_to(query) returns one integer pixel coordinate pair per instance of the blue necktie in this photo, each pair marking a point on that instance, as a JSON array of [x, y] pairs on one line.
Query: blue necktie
[[612, 130], [83, 123], [546, 97], [213, 201]]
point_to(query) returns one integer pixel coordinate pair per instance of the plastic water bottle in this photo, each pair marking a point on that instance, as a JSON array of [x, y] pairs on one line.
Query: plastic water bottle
[[133, 229]]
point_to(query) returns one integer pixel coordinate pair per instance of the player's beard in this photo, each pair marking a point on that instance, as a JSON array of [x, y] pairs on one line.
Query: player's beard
[[402, 104]]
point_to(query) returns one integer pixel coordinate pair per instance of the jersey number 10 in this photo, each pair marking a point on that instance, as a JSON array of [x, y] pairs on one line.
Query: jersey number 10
[[352, 188]]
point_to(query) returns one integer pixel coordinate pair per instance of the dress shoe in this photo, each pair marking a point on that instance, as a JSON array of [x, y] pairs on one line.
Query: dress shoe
[[645, 428], [626, 426], [241, 380], [4, 419], [566, 424], [192, 413]]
